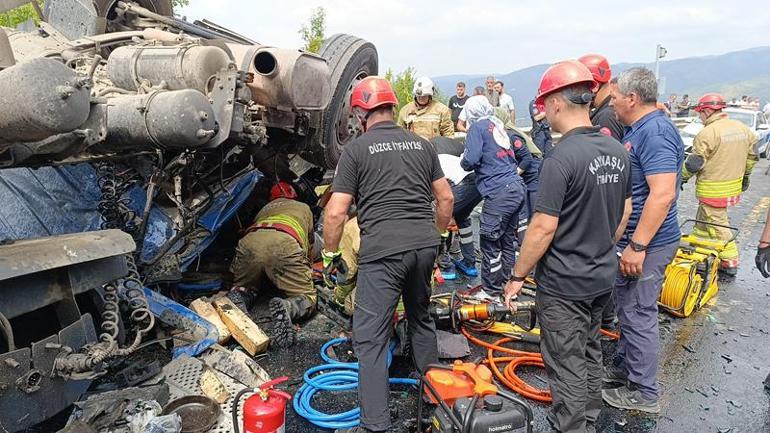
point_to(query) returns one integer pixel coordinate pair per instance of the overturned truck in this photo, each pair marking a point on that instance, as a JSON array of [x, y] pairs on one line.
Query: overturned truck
[[128, 139]]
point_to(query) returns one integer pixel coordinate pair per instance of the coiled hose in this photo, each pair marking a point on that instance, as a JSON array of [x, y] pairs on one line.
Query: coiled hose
[[334, 376]]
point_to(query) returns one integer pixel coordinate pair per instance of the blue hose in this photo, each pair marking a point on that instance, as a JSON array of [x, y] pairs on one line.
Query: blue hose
[[334, 376]]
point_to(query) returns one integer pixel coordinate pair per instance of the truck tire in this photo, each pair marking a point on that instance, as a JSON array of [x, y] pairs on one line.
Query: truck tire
[[350, 59]]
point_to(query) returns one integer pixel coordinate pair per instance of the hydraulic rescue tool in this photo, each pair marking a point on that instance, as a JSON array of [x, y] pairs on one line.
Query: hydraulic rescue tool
[[691, 278], [451, 311], [469, 402]]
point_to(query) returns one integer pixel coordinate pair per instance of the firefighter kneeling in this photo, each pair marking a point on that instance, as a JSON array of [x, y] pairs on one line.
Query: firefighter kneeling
[[722, 158], [276, 246]]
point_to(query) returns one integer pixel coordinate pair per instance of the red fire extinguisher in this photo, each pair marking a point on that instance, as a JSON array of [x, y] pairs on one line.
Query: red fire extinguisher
[[264, 411]]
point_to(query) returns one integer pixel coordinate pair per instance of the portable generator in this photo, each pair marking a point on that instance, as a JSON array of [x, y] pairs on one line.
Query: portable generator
[[691, 279], [468, 401]]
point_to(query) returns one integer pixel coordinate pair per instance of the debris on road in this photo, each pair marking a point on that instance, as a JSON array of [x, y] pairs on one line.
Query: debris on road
[[212, 387], [204, 308], [247, 333]]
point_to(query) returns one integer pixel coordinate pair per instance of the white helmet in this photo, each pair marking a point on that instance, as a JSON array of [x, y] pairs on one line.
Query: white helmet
[[423, 86]]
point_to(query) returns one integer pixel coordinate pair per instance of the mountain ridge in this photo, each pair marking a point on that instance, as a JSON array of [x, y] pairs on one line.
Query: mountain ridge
[[736, 73]]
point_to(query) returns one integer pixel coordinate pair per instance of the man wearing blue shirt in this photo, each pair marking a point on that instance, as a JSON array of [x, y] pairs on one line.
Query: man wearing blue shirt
[[490, 154], [651, 239]]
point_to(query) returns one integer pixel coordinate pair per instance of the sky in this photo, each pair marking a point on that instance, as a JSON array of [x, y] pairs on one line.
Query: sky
[[497, 36]]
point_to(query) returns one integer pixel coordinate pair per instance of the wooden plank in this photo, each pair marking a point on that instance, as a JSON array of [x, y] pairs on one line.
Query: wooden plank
[[212, 387], [243, 329], [204, 309]]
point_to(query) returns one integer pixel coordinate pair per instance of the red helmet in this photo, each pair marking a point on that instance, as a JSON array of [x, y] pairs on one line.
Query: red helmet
[[372, 92], [715, 101], [561, 75], [599, 67], [282, 190]]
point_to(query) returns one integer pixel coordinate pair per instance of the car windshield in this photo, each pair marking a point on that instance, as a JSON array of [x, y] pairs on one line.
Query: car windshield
[[745, 118]]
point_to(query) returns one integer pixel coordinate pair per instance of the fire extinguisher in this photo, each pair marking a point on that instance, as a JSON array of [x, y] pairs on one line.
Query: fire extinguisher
[[264, 411]]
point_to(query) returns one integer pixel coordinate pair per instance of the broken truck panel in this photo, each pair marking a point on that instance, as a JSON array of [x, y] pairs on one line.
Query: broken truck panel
[[178, 316], [48, 275]]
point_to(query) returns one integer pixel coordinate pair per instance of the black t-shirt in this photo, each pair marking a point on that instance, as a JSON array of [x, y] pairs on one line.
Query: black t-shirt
[[456, 105], [389, 171], [604, 116], [585, 182]]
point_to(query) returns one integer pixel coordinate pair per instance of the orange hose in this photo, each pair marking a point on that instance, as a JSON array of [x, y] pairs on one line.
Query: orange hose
[[508, 376], [519, 357], [613, 335]]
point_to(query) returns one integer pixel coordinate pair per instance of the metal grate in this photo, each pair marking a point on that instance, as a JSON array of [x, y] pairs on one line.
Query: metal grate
[[183, 376]]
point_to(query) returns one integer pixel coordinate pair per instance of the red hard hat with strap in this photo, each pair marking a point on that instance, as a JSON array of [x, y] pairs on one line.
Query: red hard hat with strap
[[599, 67], [373, 92], [561, 75], [282, 190], [715, 101]]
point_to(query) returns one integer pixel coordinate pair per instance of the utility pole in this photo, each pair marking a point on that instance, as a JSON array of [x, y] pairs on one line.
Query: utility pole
[[660, 53]]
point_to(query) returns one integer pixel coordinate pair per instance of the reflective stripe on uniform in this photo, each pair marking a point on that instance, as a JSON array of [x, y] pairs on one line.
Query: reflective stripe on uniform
[[289, 221], [718, 188], [466, 235], [496, 259]]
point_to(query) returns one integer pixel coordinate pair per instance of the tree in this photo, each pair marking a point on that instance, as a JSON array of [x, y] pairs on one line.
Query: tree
[[179, 3], [19, 15], [313, 33], [403, 84]]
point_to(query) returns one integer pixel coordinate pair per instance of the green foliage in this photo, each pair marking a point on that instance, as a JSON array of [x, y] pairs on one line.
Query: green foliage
[[19, 15], [403, 84], [438, 96], [313, 33]]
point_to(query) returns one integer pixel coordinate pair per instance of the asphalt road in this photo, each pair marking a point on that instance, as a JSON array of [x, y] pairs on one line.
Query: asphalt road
[[712, 364]]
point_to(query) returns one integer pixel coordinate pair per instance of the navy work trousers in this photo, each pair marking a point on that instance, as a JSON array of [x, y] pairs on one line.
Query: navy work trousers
[[466, 196], [497, 235], [637, 306]]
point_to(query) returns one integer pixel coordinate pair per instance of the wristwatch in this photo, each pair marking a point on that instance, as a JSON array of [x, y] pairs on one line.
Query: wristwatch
[[636, 246], [516, 279]]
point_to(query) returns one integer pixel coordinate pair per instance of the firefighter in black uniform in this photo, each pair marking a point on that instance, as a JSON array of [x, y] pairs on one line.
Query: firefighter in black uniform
[[602, 113], [393, 175]]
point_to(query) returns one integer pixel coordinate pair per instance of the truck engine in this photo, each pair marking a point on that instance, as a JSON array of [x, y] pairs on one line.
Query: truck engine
[[128, 139]]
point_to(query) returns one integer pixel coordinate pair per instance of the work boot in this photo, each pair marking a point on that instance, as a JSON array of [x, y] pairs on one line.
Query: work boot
[[446, 267], [625, 398], [614, 374], [467, 268], [282, 333]]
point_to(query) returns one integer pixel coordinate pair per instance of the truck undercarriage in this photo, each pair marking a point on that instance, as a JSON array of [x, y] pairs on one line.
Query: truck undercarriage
[[129, 140]]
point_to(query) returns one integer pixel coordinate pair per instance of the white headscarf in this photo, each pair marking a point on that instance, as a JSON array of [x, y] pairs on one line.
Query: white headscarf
[[478, 108]]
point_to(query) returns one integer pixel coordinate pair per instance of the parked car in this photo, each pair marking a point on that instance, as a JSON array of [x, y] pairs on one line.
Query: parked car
[[755, 120]]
